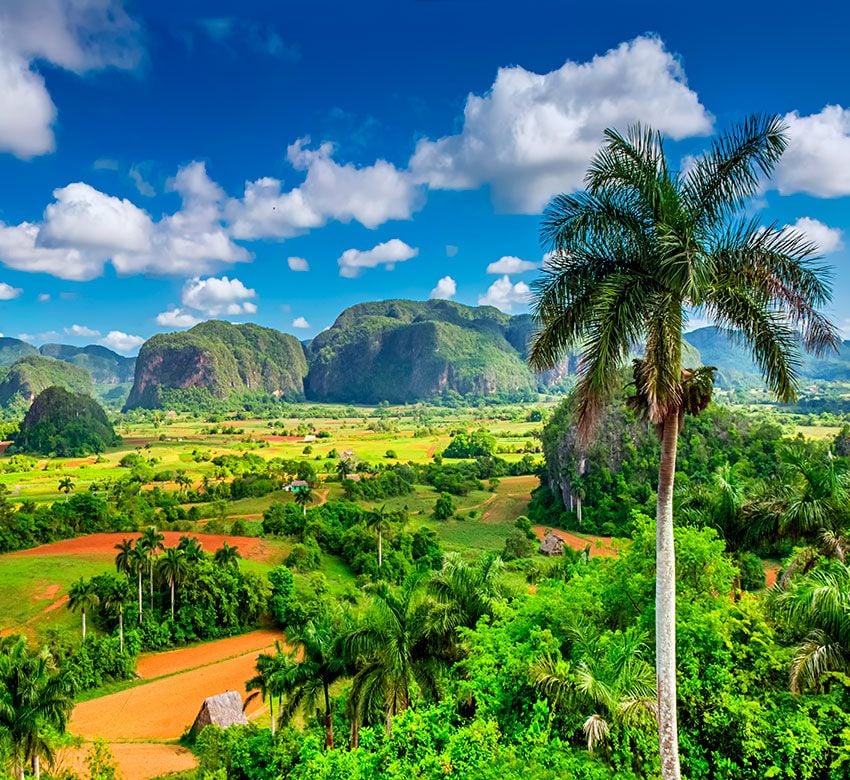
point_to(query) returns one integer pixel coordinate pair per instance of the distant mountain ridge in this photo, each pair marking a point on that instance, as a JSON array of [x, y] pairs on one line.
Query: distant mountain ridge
[[31, 374]]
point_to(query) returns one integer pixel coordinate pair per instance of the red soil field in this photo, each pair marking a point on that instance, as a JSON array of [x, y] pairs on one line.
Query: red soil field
[[275, 438], [104, 544], [4, 445], [599, 545], [136, 760], [153, 665]]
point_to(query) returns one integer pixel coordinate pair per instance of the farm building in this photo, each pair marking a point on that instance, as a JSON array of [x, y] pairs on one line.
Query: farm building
[[551, 545], [222, 710], [297, 486]]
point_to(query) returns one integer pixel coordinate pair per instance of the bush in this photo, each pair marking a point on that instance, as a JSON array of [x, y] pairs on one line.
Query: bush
[[518, 545], [752, 571], [444, 508]]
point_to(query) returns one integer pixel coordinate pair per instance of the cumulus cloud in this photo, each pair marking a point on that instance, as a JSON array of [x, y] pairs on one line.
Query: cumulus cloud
[[298, 264], [370, 195], [218, 296], [510, 265], [84, 228], [532, 135], [177, 318], [445, 288], [124, 343], [7, 292], [827, 239], [300, 322], [352, 261], [504, 294], [81, 331], [817, 160], [77, 35], [451, 250]]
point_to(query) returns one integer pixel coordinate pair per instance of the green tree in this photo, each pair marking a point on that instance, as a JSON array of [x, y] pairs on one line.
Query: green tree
[[83, 597], [192, 547], [66, 485], [269, 680], [391, 651], [34, 699], [816, 605], [444, 507], [380, 520], [150, 543], [227, 555], [183, 480], [172, 567], [303, 497], [630, 257]]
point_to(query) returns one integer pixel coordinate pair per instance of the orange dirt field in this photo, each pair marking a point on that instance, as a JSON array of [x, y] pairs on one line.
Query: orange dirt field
[[104, 544], [136, 761], [599, 545]]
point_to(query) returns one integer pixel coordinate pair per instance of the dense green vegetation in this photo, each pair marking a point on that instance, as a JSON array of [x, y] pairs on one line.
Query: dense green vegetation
[[64, 424], [221, 359], [31, 374], [103, 365]]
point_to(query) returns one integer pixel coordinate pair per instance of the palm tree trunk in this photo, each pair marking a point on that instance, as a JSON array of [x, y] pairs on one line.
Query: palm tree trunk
[[140, 593], [172, 600], [271, 712], [36, 766], [151, 571], [354, 739], [665, 604], [380, 548], [121, 629], [84, 624], [329, 725]]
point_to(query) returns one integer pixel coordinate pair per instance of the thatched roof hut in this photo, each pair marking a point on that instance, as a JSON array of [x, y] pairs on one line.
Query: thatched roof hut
[[551, 545], [222, 710]]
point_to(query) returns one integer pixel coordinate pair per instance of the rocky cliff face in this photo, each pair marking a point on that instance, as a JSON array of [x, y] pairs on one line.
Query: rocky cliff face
[[220, 358]]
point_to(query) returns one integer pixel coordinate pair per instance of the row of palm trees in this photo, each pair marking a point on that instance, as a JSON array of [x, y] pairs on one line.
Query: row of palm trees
[[149, 556], [399, 646]]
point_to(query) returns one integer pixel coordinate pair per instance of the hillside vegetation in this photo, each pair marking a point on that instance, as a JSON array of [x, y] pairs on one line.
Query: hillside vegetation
[[29, 375], [218, 359]]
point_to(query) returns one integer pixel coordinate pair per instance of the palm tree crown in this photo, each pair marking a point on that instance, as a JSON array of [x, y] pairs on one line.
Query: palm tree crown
[[629, 258]]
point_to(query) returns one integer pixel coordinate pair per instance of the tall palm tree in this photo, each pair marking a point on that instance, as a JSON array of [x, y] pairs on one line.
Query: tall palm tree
[[124, 558], [817, 605], [392, 653], [303, 678], [151, 542], [138, 563], [82, 597], [379, 519], [34, 698], [183, 480], [227, 555], [629, 258], [303, 497], [172, 567], [268, 681], [119, 593], [828, 545]]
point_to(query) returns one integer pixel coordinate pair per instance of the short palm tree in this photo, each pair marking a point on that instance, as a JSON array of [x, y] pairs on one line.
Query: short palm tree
[[227, 555], [66, 485], [183, 480], [817, 606], [629, 258], [34, 698], [192, 547], [269, 680], [172, 567], [392, 654], [303, 497], [83, 597]]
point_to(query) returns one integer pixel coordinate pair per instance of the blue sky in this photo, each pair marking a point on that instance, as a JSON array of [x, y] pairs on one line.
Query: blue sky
[[164, 163]]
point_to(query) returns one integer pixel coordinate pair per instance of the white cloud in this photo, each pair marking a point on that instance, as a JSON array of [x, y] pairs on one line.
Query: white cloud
[[532, 135], [352, 261], [216, 297], [77, 35], [445, 288], [370, 195], [81, 331], [43, 297], [298, 264], [177, 318], [817, 160], [142, 184], [300, 322], [451, 250], [510, 265], [7, 292], [122, 342], [87, 219], [827, 239], [84, 228], [503, 294]]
